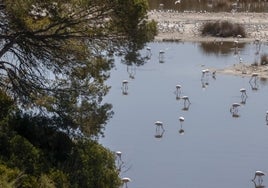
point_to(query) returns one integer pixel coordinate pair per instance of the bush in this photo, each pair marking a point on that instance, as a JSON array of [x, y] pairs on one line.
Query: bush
[[223, 29], [264, 59]]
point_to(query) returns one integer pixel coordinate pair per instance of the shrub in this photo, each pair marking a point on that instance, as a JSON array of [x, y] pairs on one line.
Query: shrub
[[264, 59], [223, 29]]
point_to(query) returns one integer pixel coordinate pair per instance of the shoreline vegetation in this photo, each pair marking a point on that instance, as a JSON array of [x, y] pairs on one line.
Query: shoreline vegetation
[[186, 27]]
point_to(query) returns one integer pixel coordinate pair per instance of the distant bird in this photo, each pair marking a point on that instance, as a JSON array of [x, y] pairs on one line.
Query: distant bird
[[266, 117], [181, 119], [259, 174], [243, 92], [125, 180], [178, 91], [254, 77], [186, 99], [125, 87], [119, 154], [159, 124], [149, 52], [234, 109], [177, 2]]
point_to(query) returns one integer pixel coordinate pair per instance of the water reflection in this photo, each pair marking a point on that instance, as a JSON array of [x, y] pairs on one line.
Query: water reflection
[[257, 185], [221, 48], [210, 5], [131, 69]]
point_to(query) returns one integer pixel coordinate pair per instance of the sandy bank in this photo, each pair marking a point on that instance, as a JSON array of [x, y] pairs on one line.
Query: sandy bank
[[185, 26]]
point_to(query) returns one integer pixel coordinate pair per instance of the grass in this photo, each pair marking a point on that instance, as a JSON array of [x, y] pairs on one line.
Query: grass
[[223, 29]]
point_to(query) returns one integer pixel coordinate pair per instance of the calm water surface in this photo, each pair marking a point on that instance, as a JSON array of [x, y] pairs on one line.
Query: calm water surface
[[216, 149]]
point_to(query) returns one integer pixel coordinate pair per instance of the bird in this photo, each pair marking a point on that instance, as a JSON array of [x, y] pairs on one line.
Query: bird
[[125, 87], [243, 92], [234, 109], [181, 119], [178, 1], [178, 91], [254, 76], [259, 174], [125, 180], [159, 124], [119, 154], [186, 98]]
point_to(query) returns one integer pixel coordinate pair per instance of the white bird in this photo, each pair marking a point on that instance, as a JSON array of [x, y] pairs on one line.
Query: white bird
[[181, 119], [159, 124], [234, 109], [186, 98], [125, 180], [258, 174], [254, 76], [119, 154], [178, 91], [243, 91], [178, 1]]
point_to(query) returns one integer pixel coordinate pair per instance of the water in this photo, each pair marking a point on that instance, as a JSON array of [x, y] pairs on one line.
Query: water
[[216, 149]]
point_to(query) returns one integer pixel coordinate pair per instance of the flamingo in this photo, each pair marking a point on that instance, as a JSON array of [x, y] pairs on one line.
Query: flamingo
[[243, 91], [259, 174], [186, 98], [159, 124], [125, 180]]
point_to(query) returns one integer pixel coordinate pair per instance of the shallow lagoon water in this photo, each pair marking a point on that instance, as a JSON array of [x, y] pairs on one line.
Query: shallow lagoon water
[[216, 149]]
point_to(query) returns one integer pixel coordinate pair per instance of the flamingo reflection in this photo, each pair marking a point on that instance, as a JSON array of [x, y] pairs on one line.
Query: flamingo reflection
[[186, 106], [131, 71], [258, 185]]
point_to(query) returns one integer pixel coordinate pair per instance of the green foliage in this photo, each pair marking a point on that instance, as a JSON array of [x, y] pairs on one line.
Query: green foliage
[[94, 166], [54, 84], [223, 29], [58, 49], [9, 178]]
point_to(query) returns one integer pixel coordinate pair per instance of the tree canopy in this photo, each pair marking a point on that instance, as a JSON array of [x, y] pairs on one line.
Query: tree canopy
[[56, 55]]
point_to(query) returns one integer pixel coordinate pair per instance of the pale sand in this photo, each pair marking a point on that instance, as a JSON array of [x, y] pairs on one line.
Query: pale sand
[[185, 27]]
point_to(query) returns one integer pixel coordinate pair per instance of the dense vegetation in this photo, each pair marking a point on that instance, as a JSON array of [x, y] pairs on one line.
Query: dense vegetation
[[54, 59], [223, 29]]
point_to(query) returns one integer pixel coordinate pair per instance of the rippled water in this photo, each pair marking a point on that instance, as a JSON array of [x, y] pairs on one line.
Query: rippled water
[[216, 149]]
